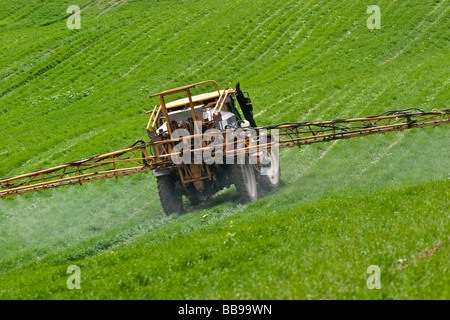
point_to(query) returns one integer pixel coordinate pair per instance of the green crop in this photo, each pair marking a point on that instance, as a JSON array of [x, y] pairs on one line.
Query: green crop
[[342, 207]]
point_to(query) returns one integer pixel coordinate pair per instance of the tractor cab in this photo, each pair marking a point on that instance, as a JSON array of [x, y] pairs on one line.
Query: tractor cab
[[216, 109], [193, 115]]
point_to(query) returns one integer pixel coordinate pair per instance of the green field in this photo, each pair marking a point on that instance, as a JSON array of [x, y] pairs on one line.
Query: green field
[[342, 207]]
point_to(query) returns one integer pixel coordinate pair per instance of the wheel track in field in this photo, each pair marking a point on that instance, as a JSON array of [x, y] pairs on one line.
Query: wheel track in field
[[242, 41], [248, 35], [426, 253], [314, 162], [393, 144], [311, 110], [87, 6], [115, 44], [184, 74], [277, 20], [323, 9], [70, 59], [58, 148], [316, 106], [274, 17], [273, 44], [311, 30], [256, 28], [384, 153], [22, 11], [306, 64], [377, 159], [166, 40], [73, 53], [180, 75], [419, 35], [51, 66], [377, 96], [116, 38], [392, 81], [296, 93], [118, 3], [106, 53]]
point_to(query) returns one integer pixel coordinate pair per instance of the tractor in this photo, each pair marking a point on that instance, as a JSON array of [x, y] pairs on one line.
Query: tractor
[[193, 116]]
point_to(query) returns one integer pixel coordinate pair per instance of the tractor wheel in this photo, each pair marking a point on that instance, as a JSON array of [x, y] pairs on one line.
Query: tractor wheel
[[270, 176], [245, 182], [171, 199]]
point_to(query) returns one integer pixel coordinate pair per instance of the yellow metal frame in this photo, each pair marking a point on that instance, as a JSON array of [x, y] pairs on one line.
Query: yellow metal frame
[[189, 102]]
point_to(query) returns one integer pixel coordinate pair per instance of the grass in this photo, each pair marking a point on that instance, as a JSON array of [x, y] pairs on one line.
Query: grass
[[67, 94], [198, 259]]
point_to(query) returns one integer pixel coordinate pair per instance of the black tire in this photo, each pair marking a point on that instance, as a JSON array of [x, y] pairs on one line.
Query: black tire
[[245, 181], [270, 175], [171, 199]]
